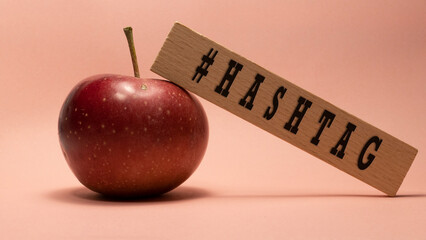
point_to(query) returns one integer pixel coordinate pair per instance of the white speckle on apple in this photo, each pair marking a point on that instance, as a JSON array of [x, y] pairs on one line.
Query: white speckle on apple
[[145, 129], [103, 99], [160, 109], [120, 96], [168, 112], [88, 126], [102, 125], [113, 131]]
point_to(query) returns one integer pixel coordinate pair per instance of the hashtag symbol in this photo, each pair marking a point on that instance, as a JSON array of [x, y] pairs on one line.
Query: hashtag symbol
[[201, 70]]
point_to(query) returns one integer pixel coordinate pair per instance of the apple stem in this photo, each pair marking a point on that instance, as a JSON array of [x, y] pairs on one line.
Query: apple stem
[[129, 35]]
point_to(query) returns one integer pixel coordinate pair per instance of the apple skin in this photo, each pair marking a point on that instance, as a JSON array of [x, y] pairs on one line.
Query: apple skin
[[130, 137]]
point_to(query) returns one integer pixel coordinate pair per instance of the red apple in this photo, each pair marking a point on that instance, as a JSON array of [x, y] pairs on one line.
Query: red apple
[[125, 136], [131, 137]]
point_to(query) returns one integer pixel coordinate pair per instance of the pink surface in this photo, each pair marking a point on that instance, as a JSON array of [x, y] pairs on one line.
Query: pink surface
[[367, 57]]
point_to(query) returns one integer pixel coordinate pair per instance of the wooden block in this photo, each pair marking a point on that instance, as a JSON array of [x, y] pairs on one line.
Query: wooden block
[[276, 105]]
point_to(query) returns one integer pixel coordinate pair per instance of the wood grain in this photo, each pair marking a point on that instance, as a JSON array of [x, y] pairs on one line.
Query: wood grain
[[200, 65]]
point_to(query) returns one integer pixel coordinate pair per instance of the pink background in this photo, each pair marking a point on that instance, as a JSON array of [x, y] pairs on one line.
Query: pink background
[[367, 57]]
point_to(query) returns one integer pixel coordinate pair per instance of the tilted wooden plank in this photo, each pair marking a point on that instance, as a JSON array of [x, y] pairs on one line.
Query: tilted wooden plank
[[291, 113]]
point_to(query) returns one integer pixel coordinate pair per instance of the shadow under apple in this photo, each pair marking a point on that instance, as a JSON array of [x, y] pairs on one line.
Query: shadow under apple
[[82, 195]]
